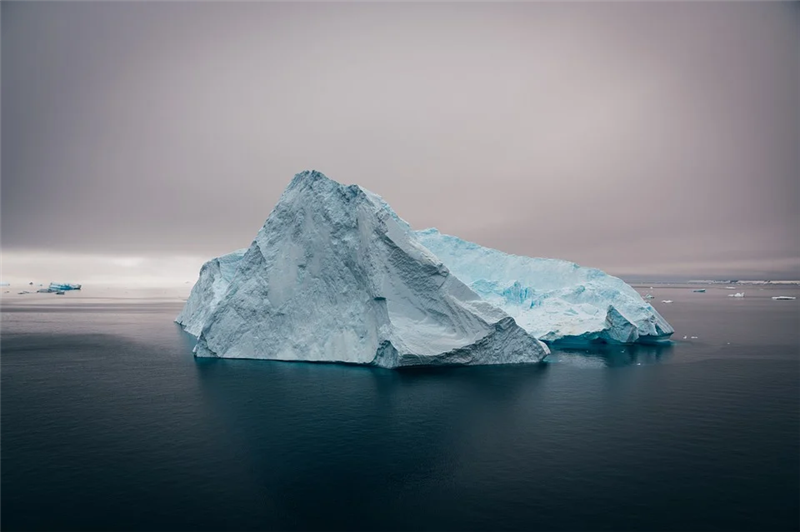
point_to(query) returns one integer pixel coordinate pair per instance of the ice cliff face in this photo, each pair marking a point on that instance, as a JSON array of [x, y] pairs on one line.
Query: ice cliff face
[[335, 275], [554, 300], [215, 277]]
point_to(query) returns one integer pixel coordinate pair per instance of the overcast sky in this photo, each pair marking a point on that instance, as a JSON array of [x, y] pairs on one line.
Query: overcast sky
[[651, 140]]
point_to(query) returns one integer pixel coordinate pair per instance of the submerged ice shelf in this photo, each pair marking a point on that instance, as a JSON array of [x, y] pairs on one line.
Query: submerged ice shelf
[[335, 275]]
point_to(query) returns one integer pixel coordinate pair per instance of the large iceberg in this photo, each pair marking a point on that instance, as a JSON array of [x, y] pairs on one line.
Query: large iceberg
[[335, 275], [557, 301]]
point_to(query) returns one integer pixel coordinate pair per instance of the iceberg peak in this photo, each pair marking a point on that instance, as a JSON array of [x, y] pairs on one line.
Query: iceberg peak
[[307, 176]]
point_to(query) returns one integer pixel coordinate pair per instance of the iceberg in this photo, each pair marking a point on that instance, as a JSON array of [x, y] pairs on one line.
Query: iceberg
[[58, 287], [555, 300], [55, 287], [783, 298], [334, 275]]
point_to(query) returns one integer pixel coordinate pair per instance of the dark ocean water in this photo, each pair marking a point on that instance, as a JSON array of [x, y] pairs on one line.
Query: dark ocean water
[[109, 423]]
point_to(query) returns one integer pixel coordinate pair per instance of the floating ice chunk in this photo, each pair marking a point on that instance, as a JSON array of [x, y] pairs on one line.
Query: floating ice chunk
[[59, 287], [666, 301], [737, 294], [649, 296], [64, 286], [555, 300], [699, 290], [694, 337], [783, 298], [335, 275]]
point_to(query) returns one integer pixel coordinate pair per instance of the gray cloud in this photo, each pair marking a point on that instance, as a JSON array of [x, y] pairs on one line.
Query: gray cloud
[[652, 139]]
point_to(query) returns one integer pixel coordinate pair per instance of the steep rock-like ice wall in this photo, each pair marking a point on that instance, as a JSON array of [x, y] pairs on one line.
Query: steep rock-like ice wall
[[215, 277]]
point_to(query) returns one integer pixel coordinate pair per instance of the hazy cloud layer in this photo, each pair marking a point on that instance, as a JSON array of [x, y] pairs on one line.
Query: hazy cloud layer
[[646, 139]]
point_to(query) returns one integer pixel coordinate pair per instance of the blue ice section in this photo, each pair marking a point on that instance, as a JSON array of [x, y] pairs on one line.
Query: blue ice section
[[54, 287], [555, 300]]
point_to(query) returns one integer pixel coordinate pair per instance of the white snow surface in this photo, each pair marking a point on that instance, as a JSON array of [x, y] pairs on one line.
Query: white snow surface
[[335, 275], [554, 300]]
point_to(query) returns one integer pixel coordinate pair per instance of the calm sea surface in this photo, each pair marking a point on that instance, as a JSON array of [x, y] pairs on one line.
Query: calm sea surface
[[108, 422]]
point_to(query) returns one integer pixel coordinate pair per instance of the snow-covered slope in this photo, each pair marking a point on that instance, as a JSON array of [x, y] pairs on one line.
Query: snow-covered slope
[[215, 277], [552, 299], [335, 275]]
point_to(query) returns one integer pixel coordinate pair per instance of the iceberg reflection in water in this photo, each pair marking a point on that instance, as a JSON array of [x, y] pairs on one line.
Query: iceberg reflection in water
[[610, 355]]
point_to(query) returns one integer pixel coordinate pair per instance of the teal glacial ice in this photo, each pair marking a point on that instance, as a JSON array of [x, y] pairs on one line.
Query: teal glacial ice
[[555, 300]]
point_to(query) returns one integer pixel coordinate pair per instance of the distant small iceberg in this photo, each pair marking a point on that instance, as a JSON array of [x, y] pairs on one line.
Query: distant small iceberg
[[737, 294], [784, 298], [58, 287], [64, 286], [666, 301]]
